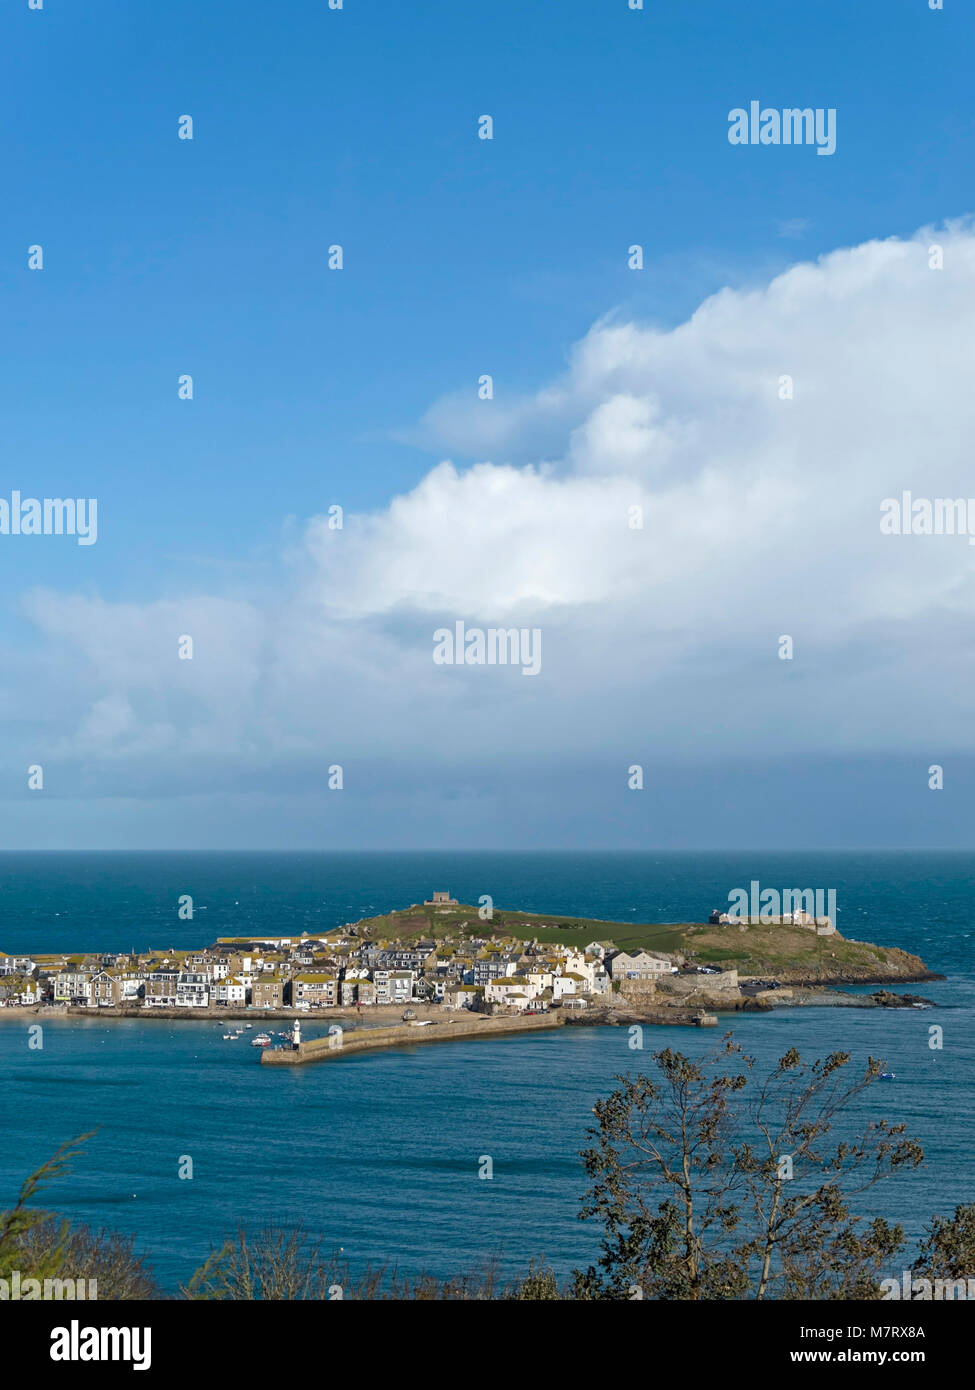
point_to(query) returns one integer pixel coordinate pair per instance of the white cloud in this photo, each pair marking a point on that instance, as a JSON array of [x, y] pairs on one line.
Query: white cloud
[[760, 518]]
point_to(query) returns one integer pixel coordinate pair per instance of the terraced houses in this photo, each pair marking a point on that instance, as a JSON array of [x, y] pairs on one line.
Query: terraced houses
[[333, 970]]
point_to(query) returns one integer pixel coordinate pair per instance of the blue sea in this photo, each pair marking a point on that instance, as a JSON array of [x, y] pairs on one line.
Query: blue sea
[[378, 1155]]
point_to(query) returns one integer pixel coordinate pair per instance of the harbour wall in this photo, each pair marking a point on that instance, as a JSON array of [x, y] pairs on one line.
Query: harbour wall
[[374, 1039]]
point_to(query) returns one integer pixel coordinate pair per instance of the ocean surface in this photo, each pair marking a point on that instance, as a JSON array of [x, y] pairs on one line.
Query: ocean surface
[[378, 1155]]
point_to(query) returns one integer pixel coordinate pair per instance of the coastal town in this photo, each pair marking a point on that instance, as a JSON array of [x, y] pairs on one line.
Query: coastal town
[[336, 969], [436, 955]]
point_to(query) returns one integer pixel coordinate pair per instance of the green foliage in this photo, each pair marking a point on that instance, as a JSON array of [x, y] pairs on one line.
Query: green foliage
[[277, 1264], [17, 1224], [948, 1250], [710, 1185], [539, 1283], [104, 1257]]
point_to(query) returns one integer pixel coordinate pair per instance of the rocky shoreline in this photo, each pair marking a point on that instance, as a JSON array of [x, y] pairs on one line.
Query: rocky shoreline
[[690, 1011], [880, 999]]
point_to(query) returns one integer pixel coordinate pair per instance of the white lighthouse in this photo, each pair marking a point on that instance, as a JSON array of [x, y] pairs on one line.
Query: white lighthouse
[[296, 1034]]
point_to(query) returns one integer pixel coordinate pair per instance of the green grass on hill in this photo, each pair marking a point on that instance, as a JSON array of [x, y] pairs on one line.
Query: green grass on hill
[[753, 950]]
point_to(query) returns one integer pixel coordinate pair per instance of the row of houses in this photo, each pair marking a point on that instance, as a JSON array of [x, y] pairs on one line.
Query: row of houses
[[335, 970]]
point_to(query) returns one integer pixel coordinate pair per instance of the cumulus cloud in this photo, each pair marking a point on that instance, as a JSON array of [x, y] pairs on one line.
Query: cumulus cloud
[[760, 518]]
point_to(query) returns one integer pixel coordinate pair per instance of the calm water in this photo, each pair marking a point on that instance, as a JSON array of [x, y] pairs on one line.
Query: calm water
[[379, 1154]]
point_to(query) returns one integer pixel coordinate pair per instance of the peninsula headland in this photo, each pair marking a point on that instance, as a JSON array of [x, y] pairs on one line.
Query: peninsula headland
[[430, 961]]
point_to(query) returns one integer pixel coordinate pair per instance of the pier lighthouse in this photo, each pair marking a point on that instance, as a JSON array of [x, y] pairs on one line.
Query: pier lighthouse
[[296, 1035]]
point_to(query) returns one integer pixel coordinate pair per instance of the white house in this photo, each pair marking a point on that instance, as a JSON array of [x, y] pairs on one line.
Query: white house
[[394, 986], [192, 990], [230, 991], [16, 965], [516, 992], [72, 986]]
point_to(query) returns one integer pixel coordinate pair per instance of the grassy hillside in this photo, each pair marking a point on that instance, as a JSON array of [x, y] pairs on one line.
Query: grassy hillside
[[752, 950]]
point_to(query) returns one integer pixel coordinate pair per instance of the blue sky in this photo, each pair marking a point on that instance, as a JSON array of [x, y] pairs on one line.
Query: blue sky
[[462, 256]]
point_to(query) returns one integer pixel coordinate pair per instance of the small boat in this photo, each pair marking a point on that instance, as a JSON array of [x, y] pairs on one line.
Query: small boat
[[261, 1040], [227, 1037], [887, 1076]]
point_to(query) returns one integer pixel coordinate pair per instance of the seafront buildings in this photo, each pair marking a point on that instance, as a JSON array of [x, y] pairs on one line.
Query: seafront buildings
[[337, 969]]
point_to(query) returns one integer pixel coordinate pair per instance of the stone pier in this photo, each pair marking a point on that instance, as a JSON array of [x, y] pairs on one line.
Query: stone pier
[[344, 1044]]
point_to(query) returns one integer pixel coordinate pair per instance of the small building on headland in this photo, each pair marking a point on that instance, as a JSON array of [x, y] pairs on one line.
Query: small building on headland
[[824, 926], [441, 900]]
